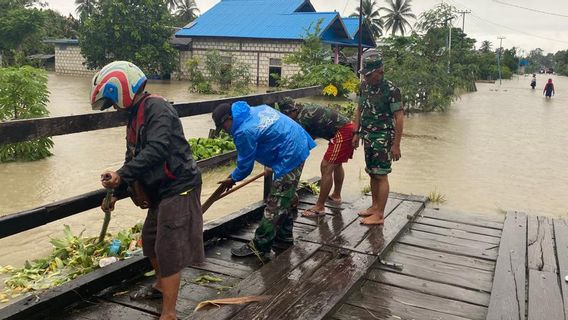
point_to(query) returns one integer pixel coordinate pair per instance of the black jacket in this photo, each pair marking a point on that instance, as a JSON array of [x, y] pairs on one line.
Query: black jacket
[[161, 158]]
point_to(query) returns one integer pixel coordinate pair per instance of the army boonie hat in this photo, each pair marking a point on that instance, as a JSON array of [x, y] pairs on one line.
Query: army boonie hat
[[371, 65]]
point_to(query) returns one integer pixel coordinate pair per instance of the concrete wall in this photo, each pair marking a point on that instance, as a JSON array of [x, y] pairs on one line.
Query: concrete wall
[[68, 60], [256, 53]]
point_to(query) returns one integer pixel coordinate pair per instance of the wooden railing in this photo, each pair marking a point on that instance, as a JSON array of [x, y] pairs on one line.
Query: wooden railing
[[23, 130]]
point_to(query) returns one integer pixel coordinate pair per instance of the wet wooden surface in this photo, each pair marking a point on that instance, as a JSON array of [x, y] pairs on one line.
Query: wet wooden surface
[[454, 267]]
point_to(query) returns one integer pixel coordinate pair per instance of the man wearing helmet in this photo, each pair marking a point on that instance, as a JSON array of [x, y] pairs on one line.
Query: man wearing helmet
[[158, 158]]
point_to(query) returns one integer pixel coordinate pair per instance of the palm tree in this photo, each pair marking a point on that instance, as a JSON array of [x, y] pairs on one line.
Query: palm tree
[[187, 10], [172, 4], [371, 17], [85, 7], [397, 16], [486, 46]]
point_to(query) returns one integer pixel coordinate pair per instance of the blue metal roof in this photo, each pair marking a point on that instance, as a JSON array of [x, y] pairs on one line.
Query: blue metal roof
[[267, 19], [352, 25]]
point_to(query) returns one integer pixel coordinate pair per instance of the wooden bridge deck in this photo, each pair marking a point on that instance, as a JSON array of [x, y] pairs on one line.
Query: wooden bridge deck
[[454, 266]]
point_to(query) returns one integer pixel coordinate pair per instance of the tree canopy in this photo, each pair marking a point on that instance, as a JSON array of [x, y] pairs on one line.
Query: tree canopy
[[132, 30]]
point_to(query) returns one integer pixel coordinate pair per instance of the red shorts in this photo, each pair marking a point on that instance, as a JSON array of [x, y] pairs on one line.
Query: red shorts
[[340, 148]]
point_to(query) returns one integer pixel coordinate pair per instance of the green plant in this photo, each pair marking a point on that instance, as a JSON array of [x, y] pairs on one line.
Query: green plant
[[312, 187], [436, 197], [203, 148], [366, 189], [224, 72], [24, 95], [346, 109]]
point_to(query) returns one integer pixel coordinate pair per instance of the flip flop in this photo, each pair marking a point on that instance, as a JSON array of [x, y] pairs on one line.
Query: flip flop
[[146, 293], [313, 213]]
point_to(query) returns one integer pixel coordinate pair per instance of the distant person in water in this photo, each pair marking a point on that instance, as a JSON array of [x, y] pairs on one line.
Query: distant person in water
[[548, 89], [533, 81]]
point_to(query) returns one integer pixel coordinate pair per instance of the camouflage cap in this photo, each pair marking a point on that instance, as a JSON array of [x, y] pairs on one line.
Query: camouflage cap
[[371, 65], [286, 105]]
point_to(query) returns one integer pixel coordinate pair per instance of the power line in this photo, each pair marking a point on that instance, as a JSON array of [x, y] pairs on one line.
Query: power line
[[530, 9], [463, 13]]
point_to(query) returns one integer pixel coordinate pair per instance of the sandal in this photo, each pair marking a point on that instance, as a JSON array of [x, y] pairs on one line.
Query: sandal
[[311, 213], [146, 293], [333, 201]]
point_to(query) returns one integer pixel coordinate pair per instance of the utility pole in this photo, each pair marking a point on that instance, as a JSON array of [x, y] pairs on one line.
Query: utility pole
[[499, 56], [463, 13], [449, 41], [360, 51]]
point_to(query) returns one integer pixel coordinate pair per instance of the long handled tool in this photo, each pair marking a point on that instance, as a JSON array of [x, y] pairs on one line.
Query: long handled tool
[[219, 194], [106, 222]]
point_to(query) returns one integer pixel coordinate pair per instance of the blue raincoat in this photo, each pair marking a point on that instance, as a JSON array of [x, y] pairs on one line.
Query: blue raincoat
[[269, 137]]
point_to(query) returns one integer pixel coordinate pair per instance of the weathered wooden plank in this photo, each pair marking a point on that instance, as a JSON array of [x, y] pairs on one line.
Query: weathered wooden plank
[[23, 130], [409, 197], [441, 272], [221, 249], [487, 221], [266, 277], [21, 221], [507, 300], [247, 233], [490, 254], [561, 237], [373, 294], [540, 244], [444, 257], [459, 234], [433, 288], [459, 226], [104, 310], [224, 267], [190, 293], [317, 297], [545, 299], [395, 310], [311, 199], [453, 240]]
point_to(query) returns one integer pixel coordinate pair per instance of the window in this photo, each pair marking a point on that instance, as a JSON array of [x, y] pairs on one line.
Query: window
[[275, 62]]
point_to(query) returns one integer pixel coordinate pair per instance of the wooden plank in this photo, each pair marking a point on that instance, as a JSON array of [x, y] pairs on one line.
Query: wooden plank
[[459, 226], [374, 294], [409, 197], [395, 310], [561, 237], [316, 297], [545, 299], [247, 233], [261, 280], [311, 199], [453, 240], [190, 293], [508, 292], [459, 234], [474, 220], [224, 267], [23, 130], [409, 239], [104, 310], [444, 257], [540, 244], [221, 249], [431, 287], [441, 272]]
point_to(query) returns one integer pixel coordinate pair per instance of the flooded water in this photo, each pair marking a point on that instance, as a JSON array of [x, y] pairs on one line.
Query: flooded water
[[501, 148]]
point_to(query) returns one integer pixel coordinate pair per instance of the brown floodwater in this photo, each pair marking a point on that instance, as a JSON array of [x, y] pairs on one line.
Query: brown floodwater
[[501, 148]]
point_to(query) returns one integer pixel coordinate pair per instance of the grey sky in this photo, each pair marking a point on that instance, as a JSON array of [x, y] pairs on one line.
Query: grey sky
[[489, 19]]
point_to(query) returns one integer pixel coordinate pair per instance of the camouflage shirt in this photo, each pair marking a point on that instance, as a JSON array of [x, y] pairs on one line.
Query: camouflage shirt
[[321, 122], [378, 104]]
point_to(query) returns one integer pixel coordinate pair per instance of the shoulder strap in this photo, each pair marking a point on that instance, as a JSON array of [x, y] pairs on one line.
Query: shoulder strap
[[138, 121]]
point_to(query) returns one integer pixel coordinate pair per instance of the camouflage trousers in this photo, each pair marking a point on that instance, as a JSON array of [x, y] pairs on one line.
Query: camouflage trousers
[[278, 219], [378, 157]]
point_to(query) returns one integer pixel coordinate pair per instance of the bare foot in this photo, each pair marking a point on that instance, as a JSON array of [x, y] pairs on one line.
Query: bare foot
[[374, 219], [314, 212], [368, 212], [168, 317], [334, 200]]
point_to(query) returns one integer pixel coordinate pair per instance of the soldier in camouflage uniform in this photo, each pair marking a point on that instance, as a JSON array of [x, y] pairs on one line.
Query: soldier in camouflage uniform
[[379, 122], [326, 123]]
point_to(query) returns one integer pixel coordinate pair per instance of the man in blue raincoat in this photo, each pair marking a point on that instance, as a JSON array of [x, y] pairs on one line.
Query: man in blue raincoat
[[265, 135]]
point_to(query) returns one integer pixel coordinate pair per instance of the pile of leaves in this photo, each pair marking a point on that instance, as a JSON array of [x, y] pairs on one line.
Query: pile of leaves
[[312, 187], [203, 148], [72, 256]]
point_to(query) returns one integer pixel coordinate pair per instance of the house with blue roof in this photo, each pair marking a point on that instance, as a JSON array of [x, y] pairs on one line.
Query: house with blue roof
[[260, 33]]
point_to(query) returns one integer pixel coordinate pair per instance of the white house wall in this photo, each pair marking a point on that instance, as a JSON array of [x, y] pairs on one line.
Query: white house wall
[[68, 60]]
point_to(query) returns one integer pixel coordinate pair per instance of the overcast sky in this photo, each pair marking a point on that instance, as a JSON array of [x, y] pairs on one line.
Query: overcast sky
[[488, 20]]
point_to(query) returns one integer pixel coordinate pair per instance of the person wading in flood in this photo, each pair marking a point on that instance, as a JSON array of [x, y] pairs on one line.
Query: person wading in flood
[[326, 123], [533, 81], [276, 141], [159, 160], [378, 121], [548, 90]]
